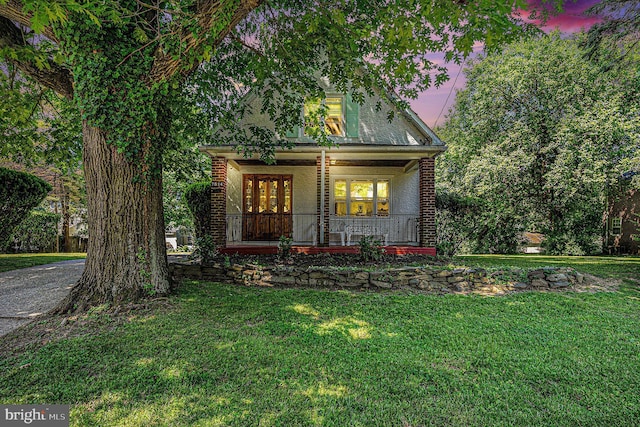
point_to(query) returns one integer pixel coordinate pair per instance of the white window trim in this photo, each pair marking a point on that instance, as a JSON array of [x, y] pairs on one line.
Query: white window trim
[[348, 178], [613, 226]]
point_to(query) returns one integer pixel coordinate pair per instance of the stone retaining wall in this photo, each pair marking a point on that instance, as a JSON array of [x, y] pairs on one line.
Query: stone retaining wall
[[428, 278]]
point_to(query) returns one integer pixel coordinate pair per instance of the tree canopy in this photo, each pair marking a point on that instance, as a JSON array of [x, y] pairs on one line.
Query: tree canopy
[[540, 134]]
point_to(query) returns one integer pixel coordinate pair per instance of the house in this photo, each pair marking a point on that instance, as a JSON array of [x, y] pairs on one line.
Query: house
[[377, 181], [532, 242], [622, 223]]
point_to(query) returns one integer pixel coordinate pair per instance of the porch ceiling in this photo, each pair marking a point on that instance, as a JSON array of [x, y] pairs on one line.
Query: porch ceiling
[[363, 155], [312, 162]]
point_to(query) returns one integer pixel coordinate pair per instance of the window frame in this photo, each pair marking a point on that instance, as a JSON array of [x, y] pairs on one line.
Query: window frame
[[348, 178], [343, 114], [619, 226]]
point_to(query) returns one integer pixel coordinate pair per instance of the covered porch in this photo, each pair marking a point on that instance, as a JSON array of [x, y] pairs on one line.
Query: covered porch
[[325, 198]]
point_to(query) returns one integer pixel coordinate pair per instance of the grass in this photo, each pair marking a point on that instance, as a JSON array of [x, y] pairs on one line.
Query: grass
[[238, 356], [602, 266], [16, 261]]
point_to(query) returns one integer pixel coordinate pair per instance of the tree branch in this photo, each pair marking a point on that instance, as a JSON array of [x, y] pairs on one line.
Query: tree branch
[[53, 76], [12, 10], [167, 64]]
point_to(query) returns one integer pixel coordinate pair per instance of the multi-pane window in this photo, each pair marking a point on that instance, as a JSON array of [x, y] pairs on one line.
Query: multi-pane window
[[616, 225], [332, 115], [361, 197]]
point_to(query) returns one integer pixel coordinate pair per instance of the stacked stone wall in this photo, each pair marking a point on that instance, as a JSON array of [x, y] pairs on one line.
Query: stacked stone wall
[[429, 278]]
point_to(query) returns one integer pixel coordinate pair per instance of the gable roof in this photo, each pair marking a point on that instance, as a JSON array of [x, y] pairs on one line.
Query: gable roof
[[378, 130]]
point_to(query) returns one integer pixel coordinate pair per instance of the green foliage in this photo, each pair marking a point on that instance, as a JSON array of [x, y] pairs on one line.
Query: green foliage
[[36, 233], [284, 248], [370, 248], [456, 222], [538, 134], [468, 224], [620, 24], [183, 165], [19, 193], [205, 249], [36, 125], [198, 198]]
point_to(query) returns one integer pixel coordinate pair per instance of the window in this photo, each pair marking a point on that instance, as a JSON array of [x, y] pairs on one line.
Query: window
[[333, 118], [616, 225], [361, 197]]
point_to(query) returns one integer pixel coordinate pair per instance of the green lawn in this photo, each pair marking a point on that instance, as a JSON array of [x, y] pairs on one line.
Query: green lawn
[[238, 356], [15, 261], [603, 266]]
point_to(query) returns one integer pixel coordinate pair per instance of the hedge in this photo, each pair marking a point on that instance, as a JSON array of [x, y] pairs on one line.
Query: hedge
[[19, 193], [198, 198]]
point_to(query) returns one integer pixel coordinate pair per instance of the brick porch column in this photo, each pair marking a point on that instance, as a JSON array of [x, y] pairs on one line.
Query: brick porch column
[[219, 201], [326, 198], [427, 232]]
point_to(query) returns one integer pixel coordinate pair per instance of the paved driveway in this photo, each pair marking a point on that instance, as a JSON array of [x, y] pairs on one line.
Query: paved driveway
[[28, 292]]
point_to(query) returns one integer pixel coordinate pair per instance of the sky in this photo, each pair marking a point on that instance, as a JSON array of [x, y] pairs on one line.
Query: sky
[[433, 105]]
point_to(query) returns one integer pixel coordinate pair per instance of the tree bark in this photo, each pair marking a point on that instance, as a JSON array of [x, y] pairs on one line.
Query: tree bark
[[126, 253]]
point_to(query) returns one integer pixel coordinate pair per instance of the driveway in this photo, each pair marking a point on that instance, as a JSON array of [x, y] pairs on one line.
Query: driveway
[[29, 292]]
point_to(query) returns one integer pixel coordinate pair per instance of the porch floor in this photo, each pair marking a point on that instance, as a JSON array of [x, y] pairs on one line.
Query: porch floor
[[312, 250]]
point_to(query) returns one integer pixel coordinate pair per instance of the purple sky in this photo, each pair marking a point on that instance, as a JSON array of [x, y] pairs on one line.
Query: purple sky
[[433, 104]]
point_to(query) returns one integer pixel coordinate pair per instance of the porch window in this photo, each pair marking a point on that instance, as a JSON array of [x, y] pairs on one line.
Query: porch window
[[616, 225], [361, 197], [333, 118]]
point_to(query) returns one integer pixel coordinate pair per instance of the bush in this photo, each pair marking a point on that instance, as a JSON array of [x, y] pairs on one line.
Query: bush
[[198, 198], [285, 245], [455, 222], [205, 249], [36, 233], [19, 193], [370, 248]]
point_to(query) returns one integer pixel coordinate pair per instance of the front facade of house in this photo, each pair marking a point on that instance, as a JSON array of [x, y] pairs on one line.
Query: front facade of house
[[378, 181]]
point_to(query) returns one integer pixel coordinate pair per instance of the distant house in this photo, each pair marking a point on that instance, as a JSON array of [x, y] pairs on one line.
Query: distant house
[[622, 223], [378, 182], [532, 243]]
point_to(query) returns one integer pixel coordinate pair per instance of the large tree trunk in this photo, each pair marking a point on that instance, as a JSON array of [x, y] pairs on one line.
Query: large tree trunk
[[126, 254]]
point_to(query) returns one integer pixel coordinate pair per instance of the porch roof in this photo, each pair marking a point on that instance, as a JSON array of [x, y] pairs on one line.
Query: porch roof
[[345, 154]]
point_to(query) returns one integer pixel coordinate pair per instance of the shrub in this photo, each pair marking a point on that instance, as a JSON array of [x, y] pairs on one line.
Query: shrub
[[36, 233], [370, 248], [19, 193], [284, 248], [205, 249], [198, 198]]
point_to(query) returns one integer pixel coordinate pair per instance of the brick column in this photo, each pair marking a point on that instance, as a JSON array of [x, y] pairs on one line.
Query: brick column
[[219, 201], [326, 198], [427, 232]]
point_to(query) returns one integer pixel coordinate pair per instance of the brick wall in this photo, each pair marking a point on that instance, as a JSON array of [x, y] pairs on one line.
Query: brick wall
[[219, 201], [326, 198], [427, 233]]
